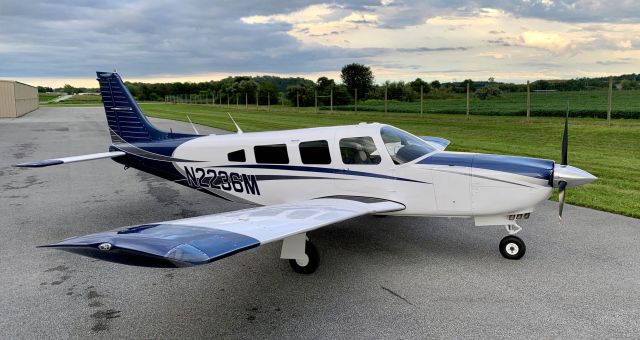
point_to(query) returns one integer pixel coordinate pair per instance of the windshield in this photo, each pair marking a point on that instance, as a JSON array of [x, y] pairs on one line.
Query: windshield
[[402, 146]]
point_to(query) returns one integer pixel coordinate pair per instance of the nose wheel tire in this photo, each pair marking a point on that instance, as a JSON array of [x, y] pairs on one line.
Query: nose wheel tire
[[512, 247], [308, 265]]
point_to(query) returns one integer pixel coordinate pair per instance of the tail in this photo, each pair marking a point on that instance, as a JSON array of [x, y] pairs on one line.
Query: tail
[[126, 121]]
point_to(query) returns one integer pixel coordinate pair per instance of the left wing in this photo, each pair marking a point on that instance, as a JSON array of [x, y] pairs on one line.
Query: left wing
[[204, 239], [72, 159]]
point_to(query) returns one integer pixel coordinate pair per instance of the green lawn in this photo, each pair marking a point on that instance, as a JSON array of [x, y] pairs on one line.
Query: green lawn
[[611, 153], [45, 97], [625, 104], [80, 100]]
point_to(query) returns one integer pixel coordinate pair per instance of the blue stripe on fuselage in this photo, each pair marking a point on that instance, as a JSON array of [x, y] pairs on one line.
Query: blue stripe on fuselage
[[525, 166], [317, 169]]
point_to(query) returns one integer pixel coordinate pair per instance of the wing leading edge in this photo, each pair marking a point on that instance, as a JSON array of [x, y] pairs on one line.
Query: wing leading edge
[[204, 239]]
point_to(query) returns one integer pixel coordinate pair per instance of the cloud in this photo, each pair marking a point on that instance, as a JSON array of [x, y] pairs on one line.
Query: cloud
[[154, 38], [553, 42], [614, 62], [431, 49]]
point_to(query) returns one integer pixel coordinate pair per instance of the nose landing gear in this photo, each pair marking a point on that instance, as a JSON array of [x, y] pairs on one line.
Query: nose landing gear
[[512, 247]]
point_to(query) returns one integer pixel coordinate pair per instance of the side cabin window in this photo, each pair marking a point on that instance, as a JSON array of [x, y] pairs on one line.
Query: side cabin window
[[273, 154], [359, 150], [315, 152], [237, 156]]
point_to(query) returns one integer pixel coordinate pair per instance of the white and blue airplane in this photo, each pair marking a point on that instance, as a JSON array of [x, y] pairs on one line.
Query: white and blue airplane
[[304, 179]]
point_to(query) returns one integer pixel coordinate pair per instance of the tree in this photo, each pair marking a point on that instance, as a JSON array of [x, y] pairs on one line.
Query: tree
[[357, 76], [324, 85], [268, 91], [435, 84], [69, 89], [416, 84], [472, 85]]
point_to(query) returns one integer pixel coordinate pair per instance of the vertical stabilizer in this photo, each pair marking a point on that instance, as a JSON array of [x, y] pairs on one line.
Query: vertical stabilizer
[[126, 121]]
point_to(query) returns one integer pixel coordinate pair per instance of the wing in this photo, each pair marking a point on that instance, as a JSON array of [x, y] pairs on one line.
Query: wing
[[437, 142], [72, 159], [208, 238]]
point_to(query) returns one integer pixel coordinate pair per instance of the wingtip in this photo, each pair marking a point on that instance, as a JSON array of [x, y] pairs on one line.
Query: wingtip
[[39, 164]]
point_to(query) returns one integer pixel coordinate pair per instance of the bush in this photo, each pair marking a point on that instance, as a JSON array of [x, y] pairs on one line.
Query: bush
[[488, 92]]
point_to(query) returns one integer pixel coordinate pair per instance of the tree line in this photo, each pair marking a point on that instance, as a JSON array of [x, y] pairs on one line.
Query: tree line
[[356, 80]]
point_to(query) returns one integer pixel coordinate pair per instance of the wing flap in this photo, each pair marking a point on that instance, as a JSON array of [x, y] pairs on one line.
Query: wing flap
[[200, 240]]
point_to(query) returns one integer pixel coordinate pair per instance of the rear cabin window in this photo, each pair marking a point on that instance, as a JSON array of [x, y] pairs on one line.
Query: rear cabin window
[[273, 154], [359, 150], [315, 152], [237, 156]]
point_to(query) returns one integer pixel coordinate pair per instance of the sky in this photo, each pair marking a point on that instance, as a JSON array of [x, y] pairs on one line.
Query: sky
[[51, 43]]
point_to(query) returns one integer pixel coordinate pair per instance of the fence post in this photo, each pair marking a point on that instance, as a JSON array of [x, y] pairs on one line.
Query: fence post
[[609, 100], [467, 100], [257, 107], [385, 98], [331, 95], [268, 102], [356, 103], [237, 100], [528, 100], [297, 101], [315, 95], [421, 100], [246, 101]]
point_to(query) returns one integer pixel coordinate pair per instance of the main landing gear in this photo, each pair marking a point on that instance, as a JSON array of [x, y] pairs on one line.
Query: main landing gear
[[512, 247], [301, 253]]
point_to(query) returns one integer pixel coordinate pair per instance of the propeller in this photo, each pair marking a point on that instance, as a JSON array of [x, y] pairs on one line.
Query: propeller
[[562, 185]]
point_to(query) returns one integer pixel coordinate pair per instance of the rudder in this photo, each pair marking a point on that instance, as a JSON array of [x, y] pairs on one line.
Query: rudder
[[126, 121]]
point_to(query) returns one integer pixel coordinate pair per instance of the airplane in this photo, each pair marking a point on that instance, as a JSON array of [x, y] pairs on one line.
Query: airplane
[[304, 179]]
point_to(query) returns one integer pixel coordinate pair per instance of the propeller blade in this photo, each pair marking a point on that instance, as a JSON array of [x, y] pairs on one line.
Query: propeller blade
[[565, 138], [562, 185]]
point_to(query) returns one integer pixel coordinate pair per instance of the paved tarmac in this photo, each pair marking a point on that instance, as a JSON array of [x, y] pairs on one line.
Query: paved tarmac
[[378, 278]]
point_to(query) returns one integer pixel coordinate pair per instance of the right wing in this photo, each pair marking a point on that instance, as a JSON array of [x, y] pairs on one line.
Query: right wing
[[437, 142], [204, 239]]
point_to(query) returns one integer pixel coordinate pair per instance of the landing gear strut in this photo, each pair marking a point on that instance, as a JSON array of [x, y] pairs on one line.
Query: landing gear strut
[[512, 247], [301, 253]]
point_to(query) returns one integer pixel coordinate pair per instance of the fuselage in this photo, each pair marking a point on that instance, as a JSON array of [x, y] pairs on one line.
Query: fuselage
[[365, 160]]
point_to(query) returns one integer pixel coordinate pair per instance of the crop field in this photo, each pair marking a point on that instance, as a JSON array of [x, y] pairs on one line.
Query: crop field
[[625, 104], [611, 153]]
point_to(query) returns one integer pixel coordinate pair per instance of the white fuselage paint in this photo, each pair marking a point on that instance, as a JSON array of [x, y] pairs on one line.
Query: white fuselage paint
[[427, 189]]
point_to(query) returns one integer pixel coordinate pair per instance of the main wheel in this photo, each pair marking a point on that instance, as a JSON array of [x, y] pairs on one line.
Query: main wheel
[[308, 265], [512, 247]]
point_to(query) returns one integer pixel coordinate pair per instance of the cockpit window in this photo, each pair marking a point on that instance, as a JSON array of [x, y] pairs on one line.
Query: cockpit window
[[402, 146], [359, 150]]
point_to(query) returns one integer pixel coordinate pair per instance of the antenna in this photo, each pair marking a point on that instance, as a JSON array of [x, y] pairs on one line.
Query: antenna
[[193, 126], [236, 124]]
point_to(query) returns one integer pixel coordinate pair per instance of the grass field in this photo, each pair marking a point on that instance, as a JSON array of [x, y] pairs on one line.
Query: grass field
[[84, 99], [611, 153], [625, 104], [45, 97]]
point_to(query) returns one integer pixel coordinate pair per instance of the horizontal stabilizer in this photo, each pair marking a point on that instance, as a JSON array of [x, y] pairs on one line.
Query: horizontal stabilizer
[[72, 159], [204, 239], [437, 142]]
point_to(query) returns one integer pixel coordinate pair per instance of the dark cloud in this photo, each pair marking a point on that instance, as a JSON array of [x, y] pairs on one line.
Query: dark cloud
[[73, 38], [621, 61], [499, 41]]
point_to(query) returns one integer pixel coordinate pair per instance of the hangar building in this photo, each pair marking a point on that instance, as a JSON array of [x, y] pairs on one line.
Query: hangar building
[[17, 99]]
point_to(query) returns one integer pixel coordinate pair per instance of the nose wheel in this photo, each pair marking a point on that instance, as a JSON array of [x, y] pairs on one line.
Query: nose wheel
[[512, 247]]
